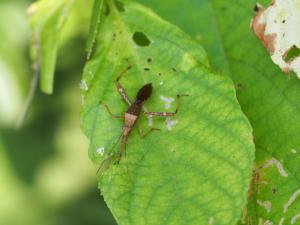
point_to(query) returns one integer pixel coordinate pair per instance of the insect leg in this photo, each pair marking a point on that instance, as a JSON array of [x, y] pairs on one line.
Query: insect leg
[[120, 88], [122, 147], [165, 114], [118, 157], [143, 135], [110, 113]]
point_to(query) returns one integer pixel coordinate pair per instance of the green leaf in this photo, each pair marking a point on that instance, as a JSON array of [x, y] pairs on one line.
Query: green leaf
[[198, 172], [94, 25], [47, 20], [268, 97]]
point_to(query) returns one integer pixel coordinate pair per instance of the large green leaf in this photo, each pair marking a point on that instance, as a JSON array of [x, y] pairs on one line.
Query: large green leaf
[[268, 97], [196, 173]]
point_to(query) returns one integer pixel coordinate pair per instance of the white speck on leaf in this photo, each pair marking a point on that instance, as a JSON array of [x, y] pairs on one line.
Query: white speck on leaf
[[277, 27], [278, 164], [188, 62], [295, 218], [100, 151], [170, 123], [211, 220], [266, 204], [291, 200], [294, 151], [281, 221], [150, 117], [268, 222], [168, 101], [83, 85], [150, 120], [161, 83]]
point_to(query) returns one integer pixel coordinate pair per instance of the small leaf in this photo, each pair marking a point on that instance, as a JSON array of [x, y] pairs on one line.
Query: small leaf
[[94, 25], [197, 168], [47, 20]]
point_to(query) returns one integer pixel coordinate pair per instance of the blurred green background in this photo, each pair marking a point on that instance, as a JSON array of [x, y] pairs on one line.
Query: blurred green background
[[45, 174]]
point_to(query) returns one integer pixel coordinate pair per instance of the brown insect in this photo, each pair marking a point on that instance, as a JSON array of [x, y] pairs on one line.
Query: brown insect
[[132, 114]]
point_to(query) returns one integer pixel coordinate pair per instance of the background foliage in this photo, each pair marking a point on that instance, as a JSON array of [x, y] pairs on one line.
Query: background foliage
[[46, 177]]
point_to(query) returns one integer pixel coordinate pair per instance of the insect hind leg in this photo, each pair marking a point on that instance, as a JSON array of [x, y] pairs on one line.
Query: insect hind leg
[[166, 114], [143, 135]]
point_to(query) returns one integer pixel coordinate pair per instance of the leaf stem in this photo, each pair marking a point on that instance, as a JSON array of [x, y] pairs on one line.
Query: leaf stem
[[111, 4], [29, 98]]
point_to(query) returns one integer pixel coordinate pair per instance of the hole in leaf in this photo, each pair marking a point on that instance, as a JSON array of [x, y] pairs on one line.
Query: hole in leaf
[[256, 8], [174, 69], [114, 36], [141, 39], [239, 86], [147, 69], [120, 6], [149, 60], [292, 53]]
